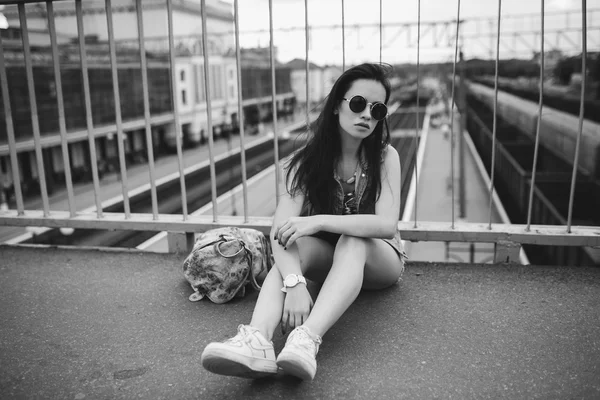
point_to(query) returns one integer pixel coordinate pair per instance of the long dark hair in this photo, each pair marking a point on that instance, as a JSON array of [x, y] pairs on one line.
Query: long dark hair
[[311, 168]]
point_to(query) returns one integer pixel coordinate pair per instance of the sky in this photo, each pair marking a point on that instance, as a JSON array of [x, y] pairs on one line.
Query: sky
[[364, 45], [399, 44]]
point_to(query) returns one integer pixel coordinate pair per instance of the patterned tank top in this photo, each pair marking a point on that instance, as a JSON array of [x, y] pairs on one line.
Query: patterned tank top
[[350, 206]]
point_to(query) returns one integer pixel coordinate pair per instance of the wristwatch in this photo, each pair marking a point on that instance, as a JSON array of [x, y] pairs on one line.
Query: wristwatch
[[292, 280]]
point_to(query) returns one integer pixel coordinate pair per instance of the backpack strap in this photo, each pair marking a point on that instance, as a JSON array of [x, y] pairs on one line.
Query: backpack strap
[[255, 284], [225, 239], [248, 254]]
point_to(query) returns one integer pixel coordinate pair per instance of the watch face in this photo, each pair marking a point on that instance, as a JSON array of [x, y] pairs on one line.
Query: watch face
[[291, 280]]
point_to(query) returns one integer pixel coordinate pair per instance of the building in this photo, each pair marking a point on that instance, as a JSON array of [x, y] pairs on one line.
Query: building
[[321, 79], [257, 90], [190, 86]]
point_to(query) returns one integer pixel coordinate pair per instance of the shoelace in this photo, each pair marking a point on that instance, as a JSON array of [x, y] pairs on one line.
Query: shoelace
[[243, 335], [303, 339]]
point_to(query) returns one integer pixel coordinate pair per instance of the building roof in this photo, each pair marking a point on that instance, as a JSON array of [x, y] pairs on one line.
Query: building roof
[[298, 63]]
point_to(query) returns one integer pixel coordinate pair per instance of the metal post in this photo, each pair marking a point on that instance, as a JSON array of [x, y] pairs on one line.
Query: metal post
[[462, 101], [507, 252]]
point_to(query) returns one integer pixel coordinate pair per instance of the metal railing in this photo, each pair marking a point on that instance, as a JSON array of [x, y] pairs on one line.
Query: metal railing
[[507, 237]]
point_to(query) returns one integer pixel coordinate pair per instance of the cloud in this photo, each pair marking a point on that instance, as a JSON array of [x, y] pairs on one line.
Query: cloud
[[561, 4]]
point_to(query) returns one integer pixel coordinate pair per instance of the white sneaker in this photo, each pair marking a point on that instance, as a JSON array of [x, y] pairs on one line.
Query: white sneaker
[[298, 356], [247, 355]]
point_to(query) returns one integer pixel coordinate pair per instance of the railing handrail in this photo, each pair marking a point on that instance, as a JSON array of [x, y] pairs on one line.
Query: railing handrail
[[424, 231], [180, 87]]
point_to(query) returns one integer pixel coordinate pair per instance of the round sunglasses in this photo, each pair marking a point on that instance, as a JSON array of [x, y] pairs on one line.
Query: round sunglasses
[[358, 104]]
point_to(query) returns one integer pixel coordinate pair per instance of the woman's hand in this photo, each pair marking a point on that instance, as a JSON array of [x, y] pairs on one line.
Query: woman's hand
[[296, 307], [294, 228]]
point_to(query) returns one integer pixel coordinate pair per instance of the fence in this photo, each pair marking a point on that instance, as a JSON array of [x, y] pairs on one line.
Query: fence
[[508, 238]]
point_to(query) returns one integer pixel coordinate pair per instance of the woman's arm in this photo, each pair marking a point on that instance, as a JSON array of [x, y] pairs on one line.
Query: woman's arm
[[382, 224], [288, 207]]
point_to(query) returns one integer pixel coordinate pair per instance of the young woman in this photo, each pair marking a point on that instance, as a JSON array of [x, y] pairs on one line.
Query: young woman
[[336, 223]]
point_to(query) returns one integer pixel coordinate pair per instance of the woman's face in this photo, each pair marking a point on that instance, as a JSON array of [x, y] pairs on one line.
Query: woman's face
[[360, 125]]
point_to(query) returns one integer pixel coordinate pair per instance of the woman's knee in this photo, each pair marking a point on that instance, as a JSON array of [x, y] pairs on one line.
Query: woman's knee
[[354, 244], [315, 257]]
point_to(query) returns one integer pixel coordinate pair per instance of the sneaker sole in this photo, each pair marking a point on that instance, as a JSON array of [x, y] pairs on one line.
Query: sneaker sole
[[296, 365], [227, 363]]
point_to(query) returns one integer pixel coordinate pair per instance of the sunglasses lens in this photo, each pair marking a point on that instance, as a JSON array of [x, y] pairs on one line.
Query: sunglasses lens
[[379, 111], [357, 104]]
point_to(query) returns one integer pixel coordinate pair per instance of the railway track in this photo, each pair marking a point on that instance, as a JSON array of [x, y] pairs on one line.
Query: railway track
[[513, 167]]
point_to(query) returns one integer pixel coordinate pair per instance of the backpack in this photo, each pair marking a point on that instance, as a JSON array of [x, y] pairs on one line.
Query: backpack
[[224, 261]]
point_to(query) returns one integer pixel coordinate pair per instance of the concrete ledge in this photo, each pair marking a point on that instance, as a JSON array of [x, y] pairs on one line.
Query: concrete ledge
[[96, 324]]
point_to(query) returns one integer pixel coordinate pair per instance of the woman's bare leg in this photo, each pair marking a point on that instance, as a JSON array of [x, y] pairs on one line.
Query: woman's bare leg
[[307, 253], [357, 262]]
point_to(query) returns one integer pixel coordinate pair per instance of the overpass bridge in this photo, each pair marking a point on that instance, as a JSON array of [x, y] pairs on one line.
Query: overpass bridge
[[99, 322]]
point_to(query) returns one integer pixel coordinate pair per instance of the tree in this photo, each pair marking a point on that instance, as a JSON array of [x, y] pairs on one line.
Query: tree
[[563, 70]]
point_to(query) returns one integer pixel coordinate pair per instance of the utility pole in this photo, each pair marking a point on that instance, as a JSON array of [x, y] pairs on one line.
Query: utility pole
[[462, 124]]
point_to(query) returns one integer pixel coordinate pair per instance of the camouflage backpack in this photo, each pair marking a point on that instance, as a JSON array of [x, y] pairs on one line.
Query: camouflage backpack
[[225, 260]]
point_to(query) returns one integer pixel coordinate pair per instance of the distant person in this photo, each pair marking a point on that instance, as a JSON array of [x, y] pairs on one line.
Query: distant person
[[336, 224]]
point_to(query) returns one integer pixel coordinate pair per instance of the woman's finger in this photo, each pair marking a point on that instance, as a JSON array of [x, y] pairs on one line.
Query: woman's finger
[[284, 228], [284, 322], [292, 239], [279, 232], [275, 232], [285, 237]]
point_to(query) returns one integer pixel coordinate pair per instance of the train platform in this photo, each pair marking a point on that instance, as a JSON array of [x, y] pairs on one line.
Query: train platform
[[91, 324], [437, 193]]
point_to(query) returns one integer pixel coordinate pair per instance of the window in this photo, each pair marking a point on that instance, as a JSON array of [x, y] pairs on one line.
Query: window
[[183, 97], [182, 75], [200, 95], [216, 81]]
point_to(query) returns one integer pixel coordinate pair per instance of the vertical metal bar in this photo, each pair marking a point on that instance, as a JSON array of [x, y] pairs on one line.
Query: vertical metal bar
[[34, 113], [61, 108], [581, 109], [118, 118], [175, 96], [307, 66], [381, 30], [461, 138], [10, 131], [343, 39], [452, 108], [417, 129], [240, 108], [88, 106], [213, 178], [274, 103], [491, 37], [495, 124], [539, 122], [149, 142]]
